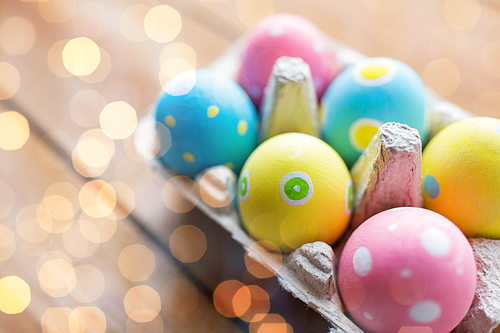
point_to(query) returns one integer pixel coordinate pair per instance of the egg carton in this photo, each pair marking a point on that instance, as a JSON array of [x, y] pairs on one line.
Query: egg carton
[[309, 273]]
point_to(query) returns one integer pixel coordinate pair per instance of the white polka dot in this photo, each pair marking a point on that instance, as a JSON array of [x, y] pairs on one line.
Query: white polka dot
[[276, 31], [362, 261], [392, 227], [296, 188], [406, 273], [425, 312], [368, 316], [435, 242], [459, 270]]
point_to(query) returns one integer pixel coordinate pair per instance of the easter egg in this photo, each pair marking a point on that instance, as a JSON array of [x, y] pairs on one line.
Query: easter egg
[[461, 175], [211, 122], [407, 270], [284, 35], [295, 189], [366, 95]]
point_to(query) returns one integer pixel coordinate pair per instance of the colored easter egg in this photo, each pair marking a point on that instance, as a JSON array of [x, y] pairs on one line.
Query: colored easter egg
[[461, 175], [284, 35], [366, 95], [211, 122], [407, 270], [295, 189]]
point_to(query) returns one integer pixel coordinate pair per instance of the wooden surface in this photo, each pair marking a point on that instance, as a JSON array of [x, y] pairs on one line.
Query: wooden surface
[[75, 255]]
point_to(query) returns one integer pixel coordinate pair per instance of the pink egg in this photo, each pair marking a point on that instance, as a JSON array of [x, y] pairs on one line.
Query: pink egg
[[406, 268], [284, 35]]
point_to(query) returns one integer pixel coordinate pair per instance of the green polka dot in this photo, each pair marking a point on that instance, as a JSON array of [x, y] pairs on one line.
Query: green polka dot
[[296, 189], [350, 197], [244, 187]]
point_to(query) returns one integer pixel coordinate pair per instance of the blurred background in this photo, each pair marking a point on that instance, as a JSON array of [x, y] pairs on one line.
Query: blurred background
[[92, 239]]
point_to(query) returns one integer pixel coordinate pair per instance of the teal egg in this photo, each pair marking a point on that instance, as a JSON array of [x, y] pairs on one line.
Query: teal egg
[[366, 95], [211, 121]]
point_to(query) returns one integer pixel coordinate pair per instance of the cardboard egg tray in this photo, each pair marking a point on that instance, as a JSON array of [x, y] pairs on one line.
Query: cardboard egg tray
[[309, 273]]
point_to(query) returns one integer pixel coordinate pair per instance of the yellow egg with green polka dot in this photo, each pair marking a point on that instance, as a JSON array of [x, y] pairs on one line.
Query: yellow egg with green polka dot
[[363, 97], [461, 175], [295, 189], [206, 119]]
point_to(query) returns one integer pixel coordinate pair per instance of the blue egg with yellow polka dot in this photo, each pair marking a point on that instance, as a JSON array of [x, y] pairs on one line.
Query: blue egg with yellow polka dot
[[211, 121], [366, 95]]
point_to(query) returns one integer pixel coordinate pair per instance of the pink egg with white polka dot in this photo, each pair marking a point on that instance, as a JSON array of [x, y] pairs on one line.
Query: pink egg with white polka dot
[[407, 270], [284, 35]]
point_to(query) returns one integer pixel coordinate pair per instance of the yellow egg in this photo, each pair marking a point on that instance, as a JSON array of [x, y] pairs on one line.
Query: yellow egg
[[295, 189], [461, 175]]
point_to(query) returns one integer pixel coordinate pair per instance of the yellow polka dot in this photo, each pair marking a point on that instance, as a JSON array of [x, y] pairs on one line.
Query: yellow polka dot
[[188, 157], [212, 111], [365, 134], [230, 165], [374, 71], [242, 127], [170, 121]]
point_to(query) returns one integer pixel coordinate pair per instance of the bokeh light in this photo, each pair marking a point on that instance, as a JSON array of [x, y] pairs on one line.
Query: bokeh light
[[179, 297], [15, 295], [214, 189], [90, 20], [118, 120], [17, 35], [9, 80], [448, 42], [125, 196], [136, 262], [250, 12], [462, 14], [188, 243], [14, 130], [223, 297], [86, 106], [85, 319], [97, 198], [56, 320], [102, 70], [57, 11], [487, 103], [257, 269], [132, 23], [384, 7], [89, 284], [152, 139], [57, 277], [271, 323], [442, 75], [81, 56], [31, 230], [153, 326], [251, 303], [142, 303], [173, 67], [7, 199], [76, 244], [97, 230], [93, 152], [490, 59], [162, 23], [180, 194], [7, 242], [55, 59], [178, 50]]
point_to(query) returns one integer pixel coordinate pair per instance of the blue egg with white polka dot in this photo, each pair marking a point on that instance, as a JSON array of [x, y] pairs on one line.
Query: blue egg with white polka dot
[[211, 121], [366, 95]]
